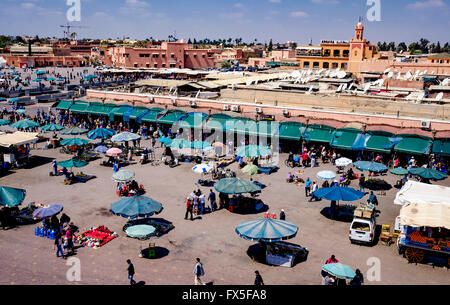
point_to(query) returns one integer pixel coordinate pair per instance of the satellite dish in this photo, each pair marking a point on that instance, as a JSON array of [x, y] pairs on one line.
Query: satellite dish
[[390, 75], [249, 82], [309, 72], [339, 89], [310, 88], [381, 82], [399, 75], [297, 80], [308, 79], [344, 87], [351, 86], [387, 70], [445, 82], [341, 74], [440, 96], [408, 75], [327, 74], [367, 87]]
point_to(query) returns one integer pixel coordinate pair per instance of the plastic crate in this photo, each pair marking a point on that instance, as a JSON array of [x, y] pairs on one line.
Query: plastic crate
[[37, 231], [43, 233]]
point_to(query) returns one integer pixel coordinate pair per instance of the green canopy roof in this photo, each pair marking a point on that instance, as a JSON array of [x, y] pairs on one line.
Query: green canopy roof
[[266, 129], [291, 131], [378, 140], [319, 133], [150, 117], [193, 120], [99, 109], [79, 107], [441, 147], [171, 117], [242, 126], [218, 122], [414, 144], [344, 138], [138, 113], [119, 111], [64, 105]]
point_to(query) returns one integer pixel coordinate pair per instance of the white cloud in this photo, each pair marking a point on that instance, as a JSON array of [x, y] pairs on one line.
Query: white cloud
[[299, 14], [418, 5], [275, 1], [136, 3]]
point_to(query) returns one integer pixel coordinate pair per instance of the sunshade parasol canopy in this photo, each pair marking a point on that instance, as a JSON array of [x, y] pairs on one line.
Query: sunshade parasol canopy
[[339, 270], [74, 141], [338, 193], [202, 168], [11, 197], [427, 173], [125, 136], [72, 163], [178, 143], [136, 206], [101, 149], [200, 145], [343, 162], [4, 122], [52, 127], [371, 166], [326, 175], [236, 186], [21, 111], [101, 133], [267, 229], [250, 169], [114, 152], [399, 171], [140, 231], [45, 212], [74, 131], [24, 124], [123, 176], [253, 151]]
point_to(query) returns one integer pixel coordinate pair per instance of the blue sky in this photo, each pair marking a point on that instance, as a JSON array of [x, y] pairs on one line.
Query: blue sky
[[282, 20]]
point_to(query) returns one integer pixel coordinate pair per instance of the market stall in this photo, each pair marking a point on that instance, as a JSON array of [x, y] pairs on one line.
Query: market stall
[[15, 147], [96, 237], [271, 233]]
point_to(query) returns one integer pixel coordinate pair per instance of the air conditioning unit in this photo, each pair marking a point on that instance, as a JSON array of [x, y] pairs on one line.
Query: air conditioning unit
[[192, 103], [259, 110], [426, 124], [174, 101], [226, 108], [286, 112], [151, 99], [235, 108]]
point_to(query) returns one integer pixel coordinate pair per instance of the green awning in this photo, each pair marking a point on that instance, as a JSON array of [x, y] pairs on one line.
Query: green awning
[[378, 141], [242, 126], [291, 131], [218, 122], [64, 105], [319, 133], [266, 129], [171, 117], [193, 120], [79, 107], [414, 144], [344, 138], [150, 117], [138, 112], [99, 109], [441, 147], [119, 112]]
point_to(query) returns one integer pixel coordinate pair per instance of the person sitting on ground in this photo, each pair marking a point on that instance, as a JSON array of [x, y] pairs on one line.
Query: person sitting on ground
[[332, 260], [373, 199]]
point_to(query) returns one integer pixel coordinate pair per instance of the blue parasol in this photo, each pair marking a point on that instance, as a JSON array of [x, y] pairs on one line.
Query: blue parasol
[[266, 229]]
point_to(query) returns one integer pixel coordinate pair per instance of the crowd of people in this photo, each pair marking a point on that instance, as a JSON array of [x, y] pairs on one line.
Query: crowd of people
[[64, 232]]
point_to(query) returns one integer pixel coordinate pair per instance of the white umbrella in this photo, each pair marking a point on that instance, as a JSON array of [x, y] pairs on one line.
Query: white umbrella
[[326, 175], [343, 162], [202, 168]]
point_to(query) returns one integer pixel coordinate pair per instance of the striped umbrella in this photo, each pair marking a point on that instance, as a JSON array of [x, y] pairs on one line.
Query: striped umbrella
[[52, 127], [123, 176], [114, 152], [267, 230], [202, 168]]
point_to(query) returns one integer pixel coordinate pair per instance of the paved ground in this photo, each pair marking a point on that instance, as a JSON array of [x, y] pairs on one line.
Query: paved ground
[[27, 259]]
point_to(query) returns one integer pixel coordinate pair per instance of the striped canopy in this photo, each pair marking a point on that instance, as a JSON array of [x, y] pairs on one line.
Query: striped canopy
[[267, 229]]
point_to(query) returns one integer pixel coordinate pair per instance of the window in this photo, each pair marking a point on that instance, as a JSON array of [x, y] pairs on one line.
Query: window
[[361, 226], [316, 65], [204, 55], [334, 65], [432, 61], [155, 65], [326, 65], [327, 52], [306, 64], [135, 65], [345, 53], [163, 55], [337, 53], [344, 65], [147, 65], [155, 55], [195, 55], [163, 65]]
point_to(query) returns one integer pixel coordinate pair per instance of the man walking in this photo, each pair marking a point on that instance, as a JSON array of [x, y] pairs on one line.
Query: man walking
[[212, 200], [307, 187], [130, 270], [282, 215], [198, 272], [362, 180], [315, 187], [189, 207]]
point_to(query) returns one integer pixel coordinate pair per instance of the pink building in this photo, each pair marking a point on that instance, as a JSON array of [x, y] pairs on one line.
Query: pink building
[[169, 55]]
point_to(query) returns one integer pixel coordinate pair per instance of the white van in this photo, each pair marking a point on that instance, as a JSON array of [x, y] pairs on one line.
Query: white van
[[362, 230]]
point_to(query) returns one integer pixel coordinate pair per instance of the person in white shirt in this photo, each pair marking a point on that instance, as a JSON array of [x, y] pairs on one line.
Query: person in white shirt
[[314, 188]]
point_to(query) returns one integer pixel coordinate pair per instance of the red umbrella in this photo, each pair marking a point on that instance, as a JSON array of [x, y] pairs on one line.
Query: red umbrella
[[114, 152]]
